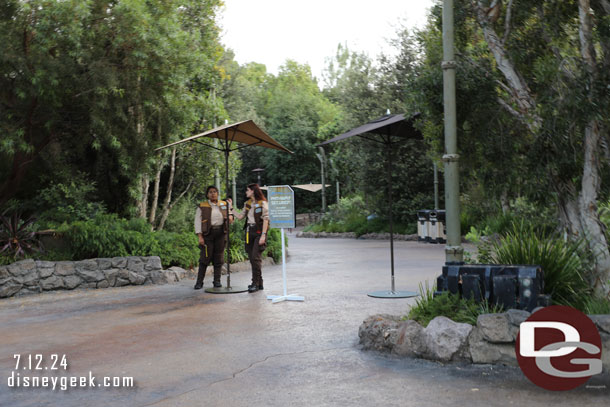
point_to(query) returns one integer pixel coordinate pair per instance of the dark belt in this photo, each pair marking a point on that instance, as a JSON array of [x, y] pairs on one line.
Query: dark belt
[[217, 227]]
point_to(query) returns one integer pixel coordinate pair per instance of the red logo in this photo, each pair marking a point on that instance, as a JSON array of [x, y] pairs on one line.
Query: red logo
[[559, 348]]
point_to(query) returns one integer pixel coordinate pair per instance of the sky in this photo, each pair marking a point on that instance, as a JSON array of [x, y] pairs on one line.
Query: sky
[[271, 31]]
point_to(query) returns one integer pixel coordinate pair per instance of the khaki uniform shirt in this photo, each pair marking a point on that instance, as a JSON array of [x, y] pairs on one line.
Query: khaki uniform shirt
[[216, 220]]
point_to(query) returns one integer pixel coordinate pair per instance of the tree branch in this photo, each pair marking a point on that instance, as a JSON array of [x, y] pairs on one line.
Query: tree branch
[[507, 21]]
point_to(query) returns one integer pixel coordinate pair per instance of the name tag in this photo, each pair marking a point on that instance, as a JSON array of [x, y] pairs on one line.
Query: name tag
[[223, 207], [258, 210]]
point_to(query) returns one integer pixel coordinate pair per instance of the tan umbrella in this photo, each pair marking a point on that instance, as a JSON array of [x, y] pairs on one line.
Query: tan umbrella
[[311, 187], [248, 133]]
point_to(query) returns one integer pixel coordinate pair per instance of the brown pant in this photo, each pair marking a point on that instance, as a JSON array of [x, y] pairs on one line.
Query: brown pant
[[213, 250], [255, 251]]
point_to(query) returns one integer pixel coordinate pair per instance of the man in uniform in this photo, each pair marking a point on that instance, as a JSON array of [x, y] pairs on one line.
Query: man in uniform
[[211, 226]]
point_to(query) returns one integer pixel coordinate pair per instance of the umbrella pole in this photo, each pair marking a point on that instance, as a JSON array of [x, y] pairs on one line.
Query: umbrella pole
[[391, 218], [228, 220], [392, 293]]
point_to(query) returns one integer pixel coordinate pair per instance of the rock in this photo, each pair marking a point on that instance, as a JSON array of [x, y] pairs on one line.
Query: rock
[[45, 272], [88, 265], [71, 282], [159, 277], [64, 268], [409, 340], [170, 276], [22, 267], [91, 276], [153, 263], [495, 327], [517, 316], [376, 330], [120, 282], [484, 352], [45, 264], [103, 284], [602, 322], [446, 338], [135, 264], [9, 287], [89, 285], [182, 273], [111, 276], [51, 283], [605, 350], [119, 262], [31, 278], [104, 264], [136, 279], [4, 272]]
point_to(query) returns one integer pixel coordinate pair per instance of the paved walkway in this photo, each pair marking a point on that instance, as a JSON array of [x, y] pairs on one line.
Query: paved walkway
[[190, 348]]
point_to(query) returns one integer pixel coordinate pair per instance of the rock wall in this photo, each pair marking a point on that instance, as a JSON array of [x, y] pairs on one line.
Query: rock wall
[[352, 235], [34, 276], [490, 341]]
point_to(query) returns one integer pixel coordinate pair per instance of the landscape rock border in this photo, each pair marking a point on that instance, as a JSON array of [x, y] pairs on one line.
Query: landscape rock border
[[29, 276], [490, 341]]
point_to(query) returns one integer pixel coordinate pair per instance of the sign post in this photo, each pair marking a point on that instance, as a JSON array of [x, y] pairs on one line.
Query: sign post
[[281, 215]]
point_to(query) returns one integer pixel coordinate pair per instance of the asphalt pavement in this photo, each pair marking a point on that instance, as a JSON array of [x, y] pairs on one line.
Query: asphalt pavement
[[190, 348]]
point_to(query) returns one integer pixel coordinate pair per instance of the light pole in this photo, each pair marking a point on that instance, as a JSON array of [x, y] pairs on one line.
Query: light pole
[[453, 250], [258, 171], [322, 159]]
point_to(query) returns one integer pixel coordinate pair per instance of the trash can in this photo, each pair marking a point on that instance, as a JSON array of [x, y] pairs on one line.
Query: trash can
[[423, 221], [432, 227], [441, 225]]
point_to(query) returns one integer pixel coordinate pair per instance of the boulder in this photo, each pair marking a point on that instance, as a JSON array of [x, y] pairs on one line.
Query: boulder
[[135, 278], [517, 316], [121, 282], [103, 284], [446, 339], [44, 264], [376, 330], [9, 287], [153, 263], [104, 264], [159, 277], [135, 264], [4, 272], [410, 340], [86, 265], [22, 267], [91, 276], [111, 275], [119, 262], [485, 352], [51, 283], [71, 282], [602, 322], [64, 268], [495, 328]]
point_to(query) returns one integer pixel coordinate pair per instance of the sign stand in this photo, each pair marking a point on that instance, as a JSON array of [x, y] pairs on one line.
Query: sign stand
[[281, 215]]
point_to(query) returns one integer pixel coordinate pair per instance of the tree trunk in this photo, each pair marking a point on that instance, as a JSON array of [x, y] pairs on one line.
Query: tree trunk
[[143, 203], [155, 201], [170, 187], [166, 212], [577, 212]]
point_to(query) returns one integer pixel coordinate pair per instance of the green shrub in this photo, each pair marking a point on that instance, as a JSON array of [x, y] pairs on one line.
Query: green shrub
[[595, 305], [427, 307], [69, 200], [563, 262]]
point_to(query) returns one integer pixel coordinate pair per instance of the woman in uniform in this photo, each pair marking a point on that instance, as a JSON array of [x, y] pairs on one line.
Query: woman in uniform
[[256, 212], [211, 226]]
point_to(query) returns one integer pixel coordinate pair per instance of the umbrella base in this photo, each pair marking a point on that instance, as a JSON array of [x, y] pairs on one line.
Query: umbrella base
[[226, 290], [393, 294]]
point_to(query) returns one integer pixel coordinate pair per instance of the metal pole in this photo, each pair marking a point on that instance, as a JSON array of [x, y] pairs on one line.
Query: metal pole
[[234, 192], [435, 187], [284, 263], [390, 204], [453, 249], [322, 159], [229, 226], [338, 194]]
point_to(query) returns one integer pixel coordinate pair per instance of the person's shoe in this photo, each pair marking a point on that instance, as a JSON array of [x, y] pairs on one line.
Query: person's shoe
[[260, 287], [217, 284], [198, 286], [253, 289]]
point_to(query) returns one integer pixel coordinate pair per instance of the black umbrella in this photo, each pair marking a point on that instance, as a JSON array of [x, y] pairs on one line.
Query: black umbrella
[[388, 130]]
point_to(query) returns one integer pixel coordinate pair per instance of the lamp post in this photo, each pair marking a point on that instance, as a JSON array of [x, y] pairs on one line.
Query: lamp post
[[453, 249], [322, 159], [258, 171]]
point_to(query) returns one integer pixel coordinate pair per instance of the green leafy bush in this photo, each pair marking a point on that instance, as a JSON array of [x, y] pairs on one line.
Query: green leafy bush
[[427, 307], [564, 263], [69, 200]]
